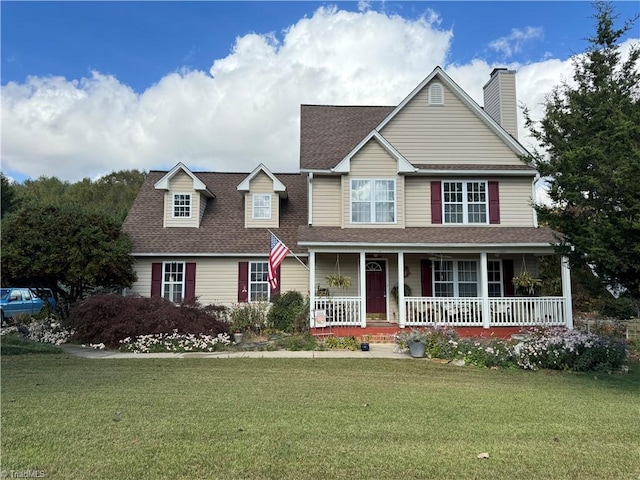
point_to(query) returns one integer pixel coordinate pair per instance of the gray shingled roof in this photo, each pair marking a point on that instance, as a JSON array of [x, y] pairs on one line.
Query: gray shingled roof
[[328, 132], [222, 229], [428, 235]]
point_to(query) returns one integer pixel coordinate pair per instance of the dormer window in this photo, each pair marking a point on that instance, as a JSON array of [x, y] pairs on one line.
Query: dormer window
[[182, 205], [261, 206], [436, 94]]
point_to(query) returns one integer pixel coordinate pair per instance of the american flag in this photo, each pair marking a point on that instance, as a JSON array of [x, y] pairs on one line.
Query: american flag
[[277, 253]]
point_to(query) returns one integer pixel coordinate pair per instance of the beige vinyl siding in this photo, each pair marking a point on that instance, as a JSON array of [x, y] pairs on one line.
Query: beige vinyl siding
[[373, 161], [181, 183], [515, 202], [261, 184], [500, 102], [326, 202], [203, 205], [217, 277], [449, 133], [326, 265], [418, 198]]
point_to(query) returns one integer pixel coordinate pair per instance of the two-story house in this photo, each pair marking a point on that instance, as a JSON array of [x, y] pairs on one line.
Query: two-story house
[[425, 207]]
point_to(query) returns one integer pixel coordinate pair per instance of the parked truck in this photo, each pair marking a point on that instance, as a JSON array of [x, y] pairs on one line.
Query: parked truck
[[29, 301]]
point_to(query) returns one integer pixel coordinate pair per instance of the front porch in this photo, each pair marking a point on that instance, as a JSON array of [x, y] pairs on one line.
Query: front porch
[[461, 290]]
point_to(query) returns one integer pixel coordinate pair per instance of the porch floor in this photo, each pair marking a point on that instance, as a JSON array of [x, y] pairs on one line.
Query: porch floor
[[383, 332]]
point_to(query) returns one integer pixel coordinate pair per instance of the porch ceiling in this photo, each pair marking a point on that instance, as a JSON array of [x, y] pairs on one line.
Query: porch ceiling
[[528, 237]]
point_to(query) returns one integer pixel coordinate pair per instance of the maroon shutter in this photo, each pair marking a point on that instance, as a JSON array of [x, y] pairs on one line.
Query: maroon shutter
[[243, 282], [425, 278], [494, 203], [507, 283], [276, 291], [436, 202], [190, 282], [156, 279]]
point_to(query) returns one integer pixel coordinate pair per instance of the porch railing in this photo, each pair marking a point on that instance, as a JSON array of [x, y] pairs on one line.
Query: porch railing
[[503, 311], [339, 310]]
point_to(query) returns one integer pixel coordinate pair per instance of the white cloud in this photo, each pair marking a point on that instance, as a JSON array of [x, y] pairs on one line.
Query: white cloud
[[513, 42], [245, 110]]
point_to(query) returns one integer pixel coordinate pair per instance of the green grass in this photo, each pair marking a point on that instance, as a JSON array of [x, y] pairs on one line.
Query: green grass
[[14, 344], [313, 419]]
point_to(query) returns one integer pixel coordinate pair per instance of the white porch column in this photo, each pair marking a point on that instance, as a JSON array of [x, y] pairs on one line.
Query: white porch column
[[566, 292], [312, 287], [402, 320], [362, 289], [484, 290]]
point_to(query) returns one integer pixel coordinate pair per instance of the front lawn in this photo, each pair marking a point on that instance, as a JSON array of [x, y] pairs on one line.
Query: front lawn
[[69, 417]]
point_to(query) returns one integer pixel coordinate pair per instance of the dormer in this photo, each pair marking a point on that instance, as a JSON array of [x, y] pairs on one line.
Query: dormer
[[185, 197], [262, 193]]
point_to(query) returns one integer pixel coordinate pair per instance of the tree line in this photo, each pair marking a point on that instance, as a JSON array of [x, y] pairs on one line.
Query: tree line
[[68, 236]]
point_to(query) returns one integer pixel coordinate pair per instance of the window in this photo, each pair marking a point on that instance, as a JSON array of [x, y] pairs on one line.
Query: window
[[455, 278], [495, 278], [258, 283], [464, 202], [436, 94], [262, 206], [373, 201], [173, 281], [182, 205]]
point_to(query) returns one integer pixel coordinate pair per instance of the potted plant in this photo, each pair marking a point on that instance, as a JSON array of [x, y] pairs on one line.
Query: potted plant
[[394, 292], [415, 340], [525, 283], [337, 280]]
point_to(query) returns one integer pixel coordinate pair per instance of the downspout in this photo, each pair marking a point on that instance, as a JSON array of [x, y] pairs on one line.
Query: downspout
[[310, 198], [534, 199]]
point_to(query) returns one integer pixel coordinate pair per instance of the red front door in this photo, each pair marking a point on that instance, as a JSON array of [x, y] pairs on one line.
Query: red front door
[[376, 288]]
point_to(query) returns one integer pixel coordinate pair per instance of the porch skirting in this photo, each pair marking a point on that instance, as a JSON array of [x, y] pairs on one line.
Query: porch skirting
[[385, 334]]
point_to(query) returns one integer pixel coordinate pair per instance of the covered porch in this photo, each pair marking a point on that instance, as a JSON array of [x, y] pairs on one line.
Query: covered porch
[[412, 288]]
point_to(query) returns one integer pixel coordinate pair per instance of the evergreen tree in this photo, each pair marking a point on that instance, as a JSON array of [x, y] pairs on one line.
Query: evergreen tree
[[590, 135]]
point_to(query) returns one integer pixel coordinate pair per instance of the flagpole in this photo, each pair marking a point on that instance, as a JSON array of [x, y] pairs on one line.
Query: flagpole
[[296, 257]]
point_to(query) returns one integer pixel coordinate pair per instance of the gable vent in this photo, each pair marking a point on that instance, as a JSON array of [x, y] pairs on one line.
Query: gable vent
[[436, 94]]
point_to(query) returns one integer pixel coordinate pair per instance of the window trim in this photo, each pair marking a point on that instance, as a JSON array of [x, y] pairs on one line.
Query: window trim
[[173, 205], [456, 279], [264, 196], [372, 201], [465, 202], [183, 282], [251, 283]]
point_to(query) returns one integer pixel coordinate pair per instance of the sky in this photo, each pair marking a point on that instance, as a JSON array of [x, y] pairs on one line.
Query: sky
[[89, 88]]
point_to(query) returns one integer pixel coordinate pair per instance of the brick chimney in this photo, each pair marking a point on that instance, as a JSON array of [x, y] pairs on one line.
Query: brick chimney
[[500, 99]]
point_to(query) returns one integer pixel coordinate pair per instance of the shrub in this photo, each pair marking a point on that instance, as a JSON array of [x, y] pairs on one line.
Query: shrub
[[287, 310], [249, 317], [110, 318], [440, 341], [561, 349], [342, 343], [621, 308], [175, 342], [490, 353]]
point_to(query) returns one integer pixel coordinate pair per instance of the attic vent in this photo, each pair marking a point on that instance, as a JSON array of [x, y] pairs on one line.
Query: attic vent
[[436, 94]]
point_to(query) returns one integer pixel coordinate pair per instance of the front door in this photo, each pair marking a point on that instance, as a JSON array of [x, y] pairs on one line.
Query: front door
[[376, 289]]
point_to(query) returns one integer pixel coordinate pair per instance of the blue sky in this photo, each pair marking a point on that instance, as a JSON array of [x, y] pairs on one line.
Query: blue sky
[[110, 85]]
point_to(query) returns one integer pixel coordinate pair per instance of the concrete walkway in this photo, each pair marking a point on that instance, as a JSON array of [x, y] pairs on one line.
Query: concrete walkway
[[376, 350]]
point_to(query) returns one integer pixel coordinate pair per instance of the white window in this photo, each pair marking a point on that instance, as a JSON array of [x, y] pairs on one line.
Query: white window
[[182, 205], [455, 278], [494, 268], [262, 206], [173, 281], [373, 201], [258, 282], [464, 202], [436, 94]]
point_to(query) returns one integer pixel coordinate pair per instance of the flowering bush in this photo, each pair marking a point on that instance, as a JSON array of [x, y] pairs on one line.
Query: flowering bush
[[249, 317], [440, 341], [175, 342], [43, 331], [489, 353], [561, 349]]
